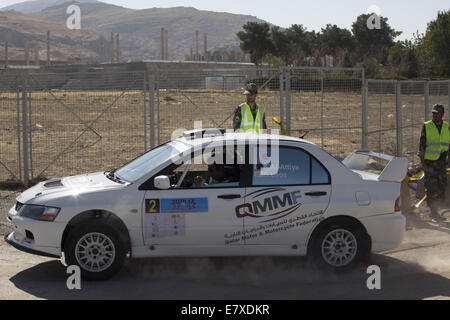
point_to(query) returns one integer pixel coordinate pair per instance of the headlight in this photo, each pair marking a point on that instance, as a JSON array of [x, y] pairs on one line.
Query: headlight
[[39, 212]]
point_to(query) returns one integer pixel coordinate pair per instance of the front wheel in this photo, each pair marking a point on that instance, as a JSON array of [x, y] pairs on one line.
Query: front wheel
[[339, 245], [97, 249]]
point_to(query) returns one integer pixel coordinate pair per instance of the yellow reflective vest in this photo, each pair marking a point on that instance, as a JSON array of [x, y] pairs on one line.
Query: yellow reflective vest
[[436, 143], [248, 123]]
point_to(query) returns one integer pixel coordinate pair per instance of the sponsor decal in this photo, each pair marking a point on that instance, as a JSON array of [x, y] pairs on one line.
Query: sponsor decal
[[165, 225], [167, 217], [187, 205], [274, 227], [265, 205]]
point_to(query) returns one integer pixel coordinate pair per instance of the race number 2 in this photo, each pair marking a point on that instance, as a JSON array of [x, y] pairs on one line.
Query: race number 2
[[152, 206]]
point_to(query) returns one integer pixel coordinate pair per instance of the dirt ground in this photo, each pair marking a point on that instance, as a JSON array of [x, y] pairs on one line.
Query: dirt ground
[[418, 269]]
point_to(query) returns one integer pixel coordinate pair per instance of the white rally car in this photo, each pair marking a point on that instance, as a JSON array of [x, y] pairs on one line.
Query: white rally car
[[211, 193]]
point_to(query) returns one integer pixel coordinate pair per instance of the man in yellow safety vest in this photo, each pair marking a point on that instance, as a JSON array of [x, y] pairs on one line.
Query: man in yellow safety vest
[[433, 153], [250, 116]]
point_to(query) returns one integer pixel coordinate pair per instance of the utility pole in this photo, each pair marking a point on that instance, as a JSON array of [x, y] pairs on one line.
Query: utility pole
[[27, 53], [112, 47], [196, 46], [36, 54], [205, 53], [166, 44], [117, 49], [6, 54], [48, 47], [101, 50]]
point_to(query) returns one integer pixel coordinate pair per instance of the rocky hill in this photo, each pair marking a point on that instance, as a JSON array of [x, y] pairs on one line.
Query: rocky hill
[[140, 30]]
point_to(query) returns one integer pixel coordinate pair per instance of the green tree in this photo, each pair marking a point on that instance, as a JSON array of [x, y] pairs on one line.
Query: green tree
[[256, 41], [434, 47], [333, 39], [301, 44], [281, 43], [373, 42], [273, 61], [403, 60]]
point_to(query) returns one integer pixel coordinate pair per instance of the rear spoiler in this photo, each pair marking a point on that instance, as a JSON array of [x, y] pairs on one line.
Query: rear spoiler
[[395, 171]]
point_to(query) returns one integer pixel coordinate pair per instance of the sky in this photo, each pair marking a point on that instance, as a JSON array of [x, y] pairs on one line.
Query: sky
[[407, 16]]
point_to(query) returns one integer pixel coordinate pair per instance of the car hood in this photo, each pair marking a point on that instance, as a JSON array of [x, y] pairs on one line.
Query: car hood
[[68, 185]]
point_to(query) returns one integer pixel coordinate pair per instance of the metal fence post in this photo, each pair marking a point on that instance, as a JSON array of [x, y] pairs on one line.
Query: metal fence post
[[448, 105], [30, 133], [157, 107], [365, 96], [25, 132], [18, 134], [288, 102], [282, 75], [427, 100], [152, 110], [398, 102], [145, 111], [321, 109]]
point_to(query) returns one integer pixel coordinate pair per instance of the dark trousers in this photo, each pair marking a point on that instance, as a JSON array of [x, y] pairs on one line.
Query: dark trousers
[[436, 179]]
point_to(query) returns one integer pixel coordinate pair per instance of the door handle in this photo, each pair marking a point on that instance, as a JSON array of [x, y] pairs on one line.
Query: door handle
[[229, 196], [316, 194]]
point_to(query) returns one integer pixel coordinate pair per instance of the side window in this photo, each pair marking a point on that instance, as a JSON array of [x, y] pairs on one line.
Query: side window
[[294, 168], [318, 174], [216, 173]]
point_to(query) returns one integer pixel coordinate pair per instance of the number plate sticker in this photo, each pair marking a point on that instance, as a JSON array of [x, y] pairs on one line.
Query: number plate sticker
[[152, 206], [186, 205]]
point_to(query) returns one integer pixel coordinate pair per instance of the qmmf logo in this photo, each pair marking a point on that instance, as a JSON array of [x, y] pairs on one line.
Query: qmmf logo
[[273, 207]]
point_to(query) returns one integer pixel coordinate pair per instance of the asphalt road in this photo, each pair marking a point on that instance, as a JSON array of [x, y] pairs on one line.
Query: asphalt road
[[418, 269]]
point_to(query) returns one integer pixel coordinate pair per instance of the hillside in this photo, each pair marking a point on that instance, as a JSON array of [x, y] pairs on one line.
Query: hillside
[[140, 30], [37, 5], [66, 44]]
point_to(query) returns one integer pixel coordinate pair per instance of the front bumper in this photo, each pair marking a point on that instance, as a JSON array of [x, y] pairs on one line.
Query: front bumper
[[36, 237], [10, 239], [386, 231]]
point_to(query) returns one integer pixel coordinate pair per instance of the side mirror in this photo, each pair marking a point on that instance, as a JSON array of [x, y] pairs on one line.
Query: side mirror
[[162, 182]]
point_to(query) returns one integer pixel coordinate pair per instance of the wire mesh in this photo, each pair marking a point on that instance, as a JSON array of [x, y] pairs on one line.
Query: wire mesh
[[413, 117], [382, 114], [96, 120], [85, 122], [327, 104], [10, 128], [381, 117], [211, 96]]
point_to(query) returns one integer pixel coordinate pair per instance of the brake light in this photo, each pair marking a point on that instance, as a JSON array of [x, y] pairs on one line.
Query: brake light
[[398, 204]]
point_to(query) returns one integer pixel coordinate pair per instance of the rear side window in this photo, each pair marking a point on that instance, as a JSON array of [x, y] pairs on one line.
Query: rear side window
[[318, 174], [296, 167]]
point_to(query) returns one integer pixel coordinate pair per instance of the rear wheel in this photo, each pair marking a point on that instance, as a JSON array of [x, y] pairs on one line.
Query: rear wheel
[[339, 245], [97, 249]]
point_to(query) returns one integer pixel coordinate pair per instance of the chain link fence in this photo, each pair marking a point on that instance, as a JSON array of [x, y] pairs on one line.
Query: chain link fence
[[325, 103], [396, 112], [10, 128], [58, 124], [210, 96], [73, 123]]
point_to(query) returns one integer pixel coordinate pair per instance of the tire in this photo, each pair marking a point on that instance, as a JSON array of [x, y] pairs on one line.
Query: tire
[[339, 245], [97, 249]]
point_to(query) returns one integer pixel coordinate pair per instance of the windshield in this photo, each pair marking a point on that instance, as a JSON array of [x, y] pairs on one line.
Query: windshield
[[149, 161]]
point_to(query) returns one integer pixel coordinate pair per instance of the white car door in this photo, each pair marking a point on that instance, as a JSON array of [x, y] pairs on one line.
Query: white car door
[[187, 214], [281, 209], [203, 216]]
